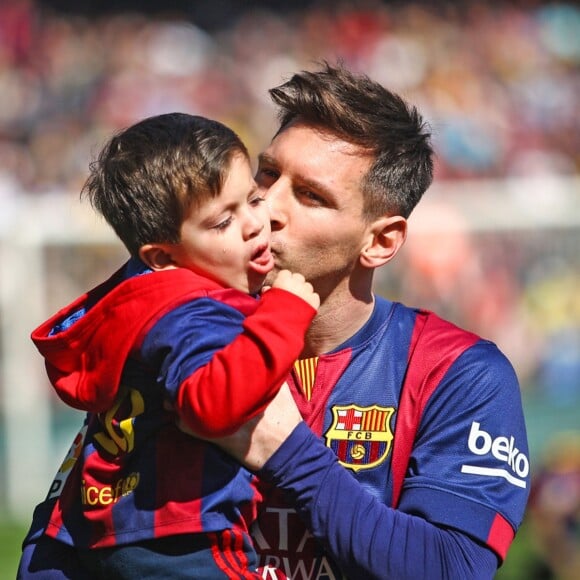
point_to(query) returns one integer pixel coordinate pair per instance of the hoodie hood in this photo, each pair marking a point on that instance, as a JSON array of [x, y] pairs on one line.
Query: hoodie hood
[[85, 360]]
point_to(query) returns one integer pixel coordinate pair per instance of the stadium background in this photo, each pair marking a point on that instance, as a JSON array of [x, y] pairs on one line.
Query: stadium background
[[494, 246]]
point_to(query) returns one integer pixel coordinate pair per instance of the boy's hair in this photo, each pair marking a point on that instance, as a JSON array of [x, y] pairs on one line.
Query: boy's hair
[[364, 113], [147, 177]]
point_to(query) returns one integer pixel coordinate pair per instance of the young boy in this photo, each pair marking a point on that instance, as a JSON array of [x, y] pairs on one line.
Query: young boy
[[177, 327]]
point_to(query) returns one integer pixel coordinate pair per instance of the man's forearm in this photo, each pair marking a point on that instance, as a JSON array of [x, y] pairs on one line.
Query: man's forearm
[[260, 438]]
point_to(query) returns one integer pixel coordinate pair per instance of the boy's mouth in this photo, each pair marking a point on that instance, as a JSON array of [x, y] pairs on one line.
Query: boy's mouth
[[262, 260]]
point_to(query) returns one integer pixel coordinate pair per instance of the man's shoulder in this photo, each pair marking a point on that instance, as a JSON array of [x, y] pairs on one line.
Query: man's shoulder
[[420, 321], [441, 348], [428, 334]]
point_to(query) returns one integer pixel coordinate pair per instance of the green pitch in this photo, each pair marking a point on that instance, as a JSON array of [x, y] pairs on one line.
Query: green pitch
[[11, 535]]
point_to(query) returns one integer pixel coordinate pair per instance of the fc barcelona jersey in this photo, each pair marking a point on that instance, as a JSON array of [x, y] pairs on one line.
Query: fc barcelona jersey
[[411, 412], [135, 351]]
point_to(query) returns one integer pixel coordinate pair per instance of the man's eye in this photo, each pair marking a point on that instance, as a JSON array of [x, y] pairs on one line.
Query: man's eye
[[266, 175], [311, 198]]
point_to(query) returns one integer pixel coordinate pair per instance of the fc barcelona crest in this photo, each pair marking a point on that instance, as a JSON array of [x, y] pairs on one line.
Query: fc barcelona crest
[[361, 437]]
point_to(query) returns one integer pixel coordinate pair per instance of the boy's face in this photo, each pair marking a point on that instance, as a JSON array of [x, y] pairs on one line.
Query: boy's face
[[227, 238]]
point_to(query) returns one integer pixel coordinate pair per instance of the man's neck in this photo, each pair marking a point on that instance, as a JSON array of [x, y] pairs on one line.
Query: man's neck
[[337, 320]]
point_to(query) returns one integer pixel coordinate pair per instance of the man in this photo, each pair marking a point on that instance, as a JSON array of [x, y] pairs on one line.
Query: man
[[415, 462]]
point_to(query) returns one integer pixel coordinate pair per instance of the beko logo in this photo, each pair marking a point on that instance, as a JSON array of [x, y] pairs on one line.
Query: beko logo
[[502, 448]]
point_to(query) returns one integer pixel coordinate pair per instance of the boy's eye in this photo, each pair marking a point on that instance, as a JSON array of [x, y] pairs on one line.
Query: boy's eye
[[256, 200], [223, 224]]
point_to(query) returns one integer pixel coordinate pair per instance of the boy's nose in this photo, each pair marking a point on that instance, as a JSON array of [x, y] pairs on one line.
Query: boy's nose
[[254, 224], [277, 201]]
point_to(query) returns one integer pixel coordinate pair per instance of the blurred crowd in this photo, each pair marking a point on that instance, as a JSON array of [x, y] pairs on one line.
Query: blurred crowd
[[552, 522], [554, 509], [498, 81]]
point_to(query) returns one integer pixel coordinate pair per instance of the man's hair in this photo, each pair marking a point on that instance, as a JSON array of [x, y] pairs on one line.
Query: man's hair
[[147, 177], [364, 113]]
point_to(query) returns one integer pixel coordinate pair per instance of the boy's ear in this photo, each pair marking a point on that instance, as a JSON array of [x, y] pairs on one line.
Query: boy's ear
[[386, 236], [157, 256]]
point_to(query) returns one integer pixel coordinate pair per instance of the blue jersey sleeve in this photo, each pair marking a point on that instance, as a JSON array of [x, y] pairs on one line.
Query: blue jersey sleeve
[[186, 338], [364, 536]]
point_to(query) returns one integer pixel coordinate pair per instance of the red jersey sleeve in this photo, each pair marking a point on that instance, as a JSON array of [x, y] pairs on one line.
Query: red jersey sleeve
[[243, 377]]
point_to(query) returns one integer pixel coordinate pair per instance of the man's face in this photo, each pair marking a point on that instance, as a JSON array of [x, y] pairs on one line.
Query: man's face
[[311, 181]]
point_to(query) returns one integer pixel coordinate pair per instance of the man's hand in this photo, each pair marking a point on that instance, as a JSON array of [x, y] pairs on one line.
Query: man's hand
[[257, 440]]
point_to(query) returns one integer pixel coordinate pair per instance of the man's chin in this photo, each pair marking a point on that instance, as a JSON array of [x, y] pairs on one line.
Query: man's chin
[[271, 276]]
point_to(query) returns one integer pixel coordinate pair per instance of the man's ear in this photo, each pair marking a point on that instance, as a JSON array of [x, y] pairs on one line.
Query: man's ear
[[157, 256], [386, 236]]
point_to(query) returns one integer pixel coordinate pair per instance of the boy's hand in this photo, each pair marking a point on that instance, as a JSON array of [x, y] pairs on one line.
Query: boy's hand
[[296, 283]]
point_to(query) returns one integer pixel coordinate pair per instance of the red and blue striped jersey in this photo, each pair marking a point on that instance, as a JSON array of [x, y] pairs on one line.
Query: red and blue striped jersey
[[136, 353]]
